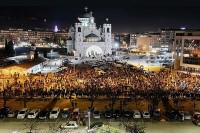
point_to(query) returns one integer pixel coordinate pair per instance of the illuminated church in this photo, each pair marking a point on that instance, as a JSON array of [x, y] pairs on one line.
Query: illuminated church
[[86, 40]]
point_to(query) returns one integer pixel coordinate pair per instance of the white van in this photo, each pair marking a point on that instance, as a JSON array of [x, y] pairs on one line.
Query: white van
[[54, 113]]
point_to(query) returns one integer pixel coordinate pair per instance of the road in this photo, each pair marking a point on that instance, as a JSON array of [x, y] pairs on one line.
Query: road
[[7, 126]]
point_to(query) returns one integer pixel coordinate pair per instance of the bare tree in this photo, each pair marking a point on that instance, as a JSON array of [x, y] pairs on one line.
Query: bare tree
[[31, 126], [134, 127], [108, 129], [92, 94], [25, 98], [5, 97], [112, 95]]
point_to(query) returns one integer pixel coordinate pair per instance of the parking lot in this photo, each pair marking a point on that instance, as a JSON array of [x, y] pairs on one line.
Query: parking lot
[[9, 125]]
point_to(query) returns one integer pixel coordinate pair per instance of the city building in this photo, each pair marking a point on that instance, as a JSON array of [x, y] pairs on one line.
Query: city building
[[133, 40], [37, 36], [167, 38], [186, 50], [146, 41], [143, 42], [122, 39], [88, 40], [23, 66]]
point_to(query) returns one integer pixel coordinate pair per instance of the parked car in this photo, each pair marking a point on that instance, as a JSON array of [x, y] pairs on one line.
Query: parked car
[[108, 114], [185, 115], [23, 113], [145, 114], [54, 113], [197, 122], [155, 113], [85, 114], [136, 114], [70, 125], [94, 127], [33, 113], [96, 113], [172, 115], [196, 118], [75, 114], [196, 114], [4, 112], [117, 113], [65, 113], [128, 113], [12, 113], [43, 114]]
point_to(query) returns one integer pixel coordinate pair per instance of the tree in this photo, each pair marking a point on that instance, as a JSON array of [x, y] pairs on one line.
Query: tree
[[45, 53], [25, 98], [5, 97], [112, 94], [36, 55], [31, 126], [155, 97], [108, 129], [134, 127], [92, 94], [9, 48]]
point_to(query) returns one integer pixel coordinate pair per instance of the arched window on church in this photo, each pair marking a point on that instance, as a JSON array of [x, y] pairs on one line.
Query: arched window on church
[[108, 30], [79, 29]]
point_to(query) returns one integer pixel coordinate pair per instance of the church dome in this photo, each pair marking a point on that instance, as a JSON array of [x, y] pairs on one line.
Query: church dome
[[91, 36], [85, 15]]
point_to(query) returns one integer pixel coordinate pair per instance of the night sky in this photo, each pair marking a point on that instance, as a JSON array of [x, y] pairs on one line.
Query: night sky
[[124, 15]]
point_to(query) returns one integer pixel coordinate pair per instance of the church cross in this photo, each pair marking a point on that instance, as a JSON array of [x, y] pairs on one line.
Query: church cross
[[91, 13], [86, 8]]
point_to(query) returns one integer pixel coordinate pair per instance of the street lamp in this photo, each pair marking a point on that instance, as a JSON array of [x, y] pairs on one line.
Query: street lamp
[[116, 46], [170, 70], [60, 60], [74, 52], [51, 53], [14, 49], [89, 120], [172, 63]]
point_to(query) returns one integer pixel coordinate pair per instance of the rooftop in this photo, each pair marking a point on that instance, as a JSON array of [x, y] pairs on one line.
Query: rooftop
[[28, 64], [173, 29]]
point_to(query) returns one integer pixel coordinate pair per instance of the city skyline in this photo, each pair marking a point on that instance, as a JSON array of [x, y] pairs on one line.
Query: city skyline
[[126, 16]]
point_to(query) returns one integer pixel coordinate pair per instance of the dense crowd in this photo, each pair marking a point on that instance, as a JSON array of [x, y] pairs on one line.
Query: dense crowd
[[118, 81]]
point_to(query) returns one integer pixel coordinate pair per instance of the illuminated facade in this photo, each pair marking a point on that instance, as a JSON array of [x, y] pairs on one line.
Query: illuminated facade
[[186, 50], [35, 35], [87, 40]]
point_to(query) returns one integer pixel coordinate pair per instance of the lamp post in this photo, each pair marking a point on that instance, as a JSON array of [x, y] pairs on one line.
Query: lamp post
[[51, 54], [172, 62], [116, 46], [74, 52], [60, 61], [14, 49], [170, 70], [89, 120]]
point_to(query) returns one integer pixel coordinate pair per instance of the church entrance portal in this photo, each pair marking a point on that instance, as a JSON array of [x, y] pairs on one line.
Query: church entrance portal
[[94, 50]]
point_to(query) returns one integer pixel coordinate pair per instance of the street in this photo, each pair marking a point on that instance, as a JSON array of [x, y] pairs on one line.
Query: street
[[157, 127]]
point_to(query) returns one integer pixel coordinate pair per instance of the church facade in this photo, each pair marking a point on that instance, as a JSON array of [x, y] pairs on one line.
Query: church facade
[[86, 40]]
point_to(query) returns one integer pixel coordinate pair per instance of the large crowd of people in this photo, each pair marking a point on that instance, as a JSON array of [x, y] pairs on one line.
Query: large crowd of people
[[117, 81]]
